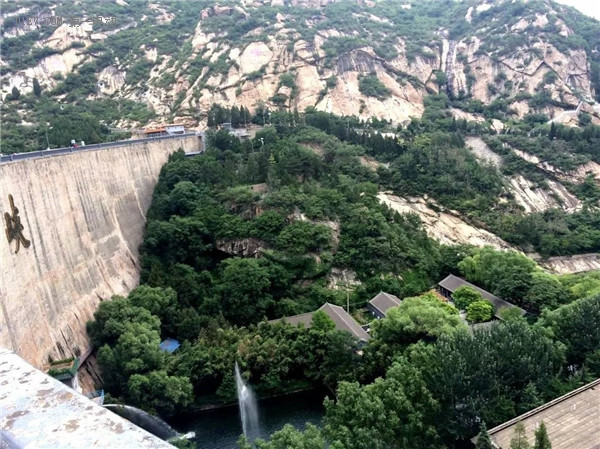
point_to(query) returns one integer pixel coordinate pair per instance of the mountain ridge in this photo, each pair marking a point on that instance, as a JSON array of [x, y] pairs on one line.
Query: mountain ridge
[[499, 53]]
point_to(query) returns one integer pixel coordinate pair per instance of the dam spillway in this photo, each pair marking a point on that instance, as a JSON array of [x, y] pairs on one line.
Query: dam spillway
[[84, 213]]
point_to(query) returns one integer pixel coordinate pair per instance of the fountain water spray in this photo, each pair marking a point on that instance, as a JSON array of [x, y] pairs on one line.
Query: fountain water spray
[[146, 421], [248, 407]]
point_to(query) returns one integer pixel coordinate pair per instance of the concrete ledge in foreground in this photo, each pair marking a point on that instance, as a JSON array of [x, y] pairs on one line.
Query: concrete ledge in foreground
[[38, 411]]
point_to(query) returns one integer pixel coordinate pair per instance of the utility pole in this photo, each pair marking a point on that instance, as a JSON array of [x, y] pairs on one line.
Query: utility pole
[[47, 141], [347, 302]]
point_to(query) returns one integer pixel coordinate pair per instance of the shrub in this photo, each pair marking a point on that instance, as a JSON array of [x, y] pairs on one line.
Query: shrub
[[371, 86], [288, 80], [279, 99], [480, 311], [464, 295], [37, 89], [441, 78], [585, 119], [331, 82], [550, 78]]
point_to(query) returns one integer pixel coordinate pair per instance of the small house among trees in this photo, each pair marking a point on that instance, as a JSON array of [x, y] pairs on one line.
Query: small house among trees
[[452, 283], [343, 321], [381, 303]]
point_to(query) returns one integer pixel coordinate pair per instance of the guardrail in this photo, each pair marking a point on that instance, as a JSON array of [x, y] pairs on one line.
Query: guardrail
[[96, 146]]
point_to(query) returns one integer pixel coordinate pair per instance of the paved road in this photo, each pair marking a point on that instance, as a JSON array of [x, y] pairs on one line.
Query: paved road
[[98, 146]]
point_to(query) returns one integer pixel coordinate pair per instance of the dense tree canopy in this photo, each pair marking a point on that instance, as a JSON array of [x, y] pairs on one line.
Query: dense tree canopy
[[422, 317], [578, 326], [464, 295], [480, 311], [395, 412], [263, 229]]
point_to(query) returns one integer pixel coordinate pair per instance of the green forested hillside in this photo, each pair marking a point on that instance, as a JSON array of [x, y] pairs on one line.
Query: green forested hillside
[[316, 211], [301, 200]]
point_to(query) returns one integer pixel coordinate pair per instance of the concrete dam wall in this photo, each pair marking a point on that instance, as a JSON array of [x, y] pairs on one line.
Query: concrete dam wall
[[84, 214]]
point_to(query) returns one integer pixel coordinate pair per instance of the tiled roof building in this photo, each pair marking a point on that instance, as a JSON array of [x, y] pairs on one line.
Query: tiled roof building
[[451, 283], [342, 319], [572, 421], [381, 303]]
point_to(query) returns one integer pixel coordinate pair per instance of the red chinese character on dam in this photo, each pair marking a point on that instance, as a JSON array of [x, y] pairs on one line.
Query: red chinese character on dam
[[14, 228]]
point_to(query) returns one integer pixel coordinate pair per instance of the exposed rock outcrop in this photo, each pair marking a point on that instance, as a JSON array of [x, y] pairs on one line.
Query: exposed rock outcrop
[[249, 247], [446, 226], [536, 199], [110, 80], [58, 63], [482, 151], [254, 63], [254, 57], [342, 278], [66, 35], [572, 264], [528, 195]]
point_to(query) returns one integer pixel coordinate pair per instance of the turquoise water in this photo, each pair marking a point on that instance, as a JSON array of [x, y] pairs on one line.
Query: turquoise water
[[221, 428]]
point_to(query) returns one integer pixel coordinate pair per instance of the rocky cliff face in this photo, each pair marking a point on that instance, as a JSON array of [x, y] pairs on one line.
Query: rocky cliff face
[[237, 54], [84, 214], [446, 226], [572, 264], [530, 197]]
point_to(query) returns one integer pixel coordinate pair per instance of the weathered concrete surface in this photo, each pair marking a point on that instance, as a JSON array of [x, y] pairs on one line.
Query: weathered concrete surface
[[572, 421], [84, 214], [38, 411]]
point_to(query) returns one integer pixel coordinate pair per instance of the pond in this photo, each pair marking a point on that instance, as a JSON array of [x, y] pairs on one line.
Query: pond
[[221, 428]]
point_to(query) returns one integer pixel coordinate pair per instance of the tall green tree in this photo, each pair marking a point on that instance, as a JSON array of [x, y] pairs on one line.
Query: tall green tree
[[416, 318], [465, 295], [245, 290], [480, 311], [395, 412], [505, 273], [513, 285], [37, 89], [159, 302], [291, 438], [545, 292], [159, 392], [577, 325], [519, 440], [483, 438], [15, 93], [135, 352], [542, 440], [113, 317], [330, 354]]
